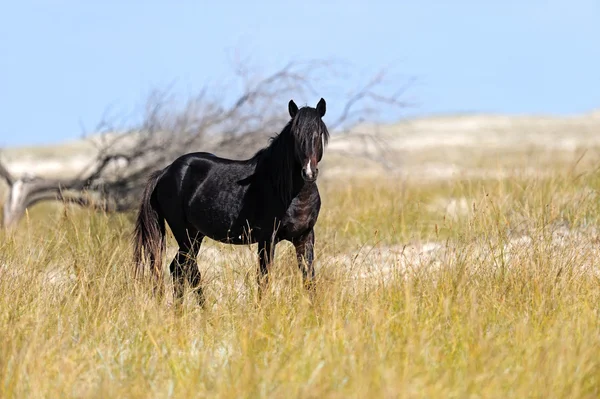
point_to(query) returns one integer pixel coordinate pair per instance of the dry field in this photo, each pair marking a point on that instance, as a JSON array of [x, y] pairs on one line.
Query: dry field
[[471, 272]]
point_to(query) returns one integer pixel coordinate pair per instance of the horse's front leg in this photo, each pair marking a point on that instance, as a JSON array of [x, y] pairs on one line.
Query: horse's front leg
[[266, 250], [305, 245]]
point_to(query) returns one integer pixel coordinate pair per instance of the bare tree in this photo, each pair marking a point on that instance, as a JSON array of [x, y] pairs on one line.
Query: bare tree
[[115, 177]]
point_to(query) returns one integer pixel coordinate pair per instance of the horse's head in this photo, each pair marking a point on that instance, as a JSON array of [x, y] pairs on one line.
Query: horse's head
[[310, 137]]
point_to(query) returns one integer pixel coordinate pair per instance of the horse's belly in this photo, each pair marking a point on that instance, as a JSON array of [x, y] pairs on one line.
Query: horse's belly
[[235, 237], [240, 240], [223, 227]]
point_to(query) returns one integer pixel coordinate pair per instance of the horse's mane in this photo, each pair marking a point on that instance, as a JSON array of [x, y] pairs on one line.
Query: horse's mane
[[276, 161]]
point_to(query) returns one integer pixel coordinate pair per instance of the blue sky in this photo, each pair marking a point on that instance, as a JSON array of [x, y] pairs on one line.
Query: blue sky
[[63, 62]]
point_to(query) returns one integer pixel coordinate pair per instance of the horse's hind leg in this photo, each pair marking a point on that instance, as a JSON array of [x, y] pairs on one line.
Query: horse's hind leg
[[193, 271], [184, 266]]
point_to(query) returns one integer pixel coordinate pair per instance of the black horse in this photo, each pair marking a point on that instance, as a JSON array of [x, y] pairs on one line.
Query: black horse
[[268, 198]]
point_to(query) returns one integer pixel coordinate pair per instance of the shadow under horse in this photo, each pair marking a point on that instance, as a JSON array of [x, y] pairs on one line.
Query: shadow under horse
[[270, 197]]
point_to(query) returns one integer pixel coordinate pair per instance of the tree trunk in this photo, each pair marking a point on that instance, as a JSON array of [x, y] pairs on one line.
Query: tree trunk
[[25, 192], [14, 207]]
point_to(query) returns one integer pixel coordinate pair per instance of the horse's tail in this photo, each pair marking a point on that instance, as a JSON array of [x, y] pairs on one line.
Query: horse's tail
[[149, 236]]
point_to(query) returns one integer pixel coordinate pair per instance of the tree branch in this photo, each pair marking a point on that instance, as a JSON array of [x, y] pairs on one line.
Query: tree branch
[[117, 174], [368, 91]]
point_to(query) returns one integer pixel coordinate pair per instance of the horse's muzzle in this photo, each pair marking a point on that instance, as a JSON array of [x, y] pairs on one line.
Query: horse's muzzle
[[310, 175]]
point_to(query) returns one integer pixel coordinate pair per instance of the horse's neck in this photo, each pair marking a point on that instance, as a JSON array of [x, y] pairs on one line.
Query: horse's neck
[[279, 169]]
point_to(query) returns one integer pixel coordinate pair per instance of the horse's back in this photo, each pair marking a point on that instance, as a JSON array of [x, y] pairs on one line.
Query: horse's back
[[212, 157], [187, 173]]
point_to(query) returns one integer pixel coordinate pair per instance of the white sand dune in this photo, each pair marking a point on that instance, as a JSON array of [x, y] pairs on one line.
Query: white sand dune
[[435, 147]]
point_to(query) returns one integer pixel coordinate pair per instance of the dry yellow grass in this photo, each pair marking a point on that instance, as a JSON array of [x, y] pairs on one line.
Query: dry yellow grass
[[475, 288]]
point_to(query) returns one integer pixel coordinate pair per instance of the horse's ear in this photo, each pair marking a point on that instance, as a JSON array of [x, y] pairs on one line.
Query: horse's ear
[[293, 108], [321, 107]]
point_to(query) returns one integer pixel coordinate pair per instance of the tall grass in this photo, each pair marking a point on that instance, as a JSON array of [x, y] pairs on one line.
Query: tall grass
[[507, 307]]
